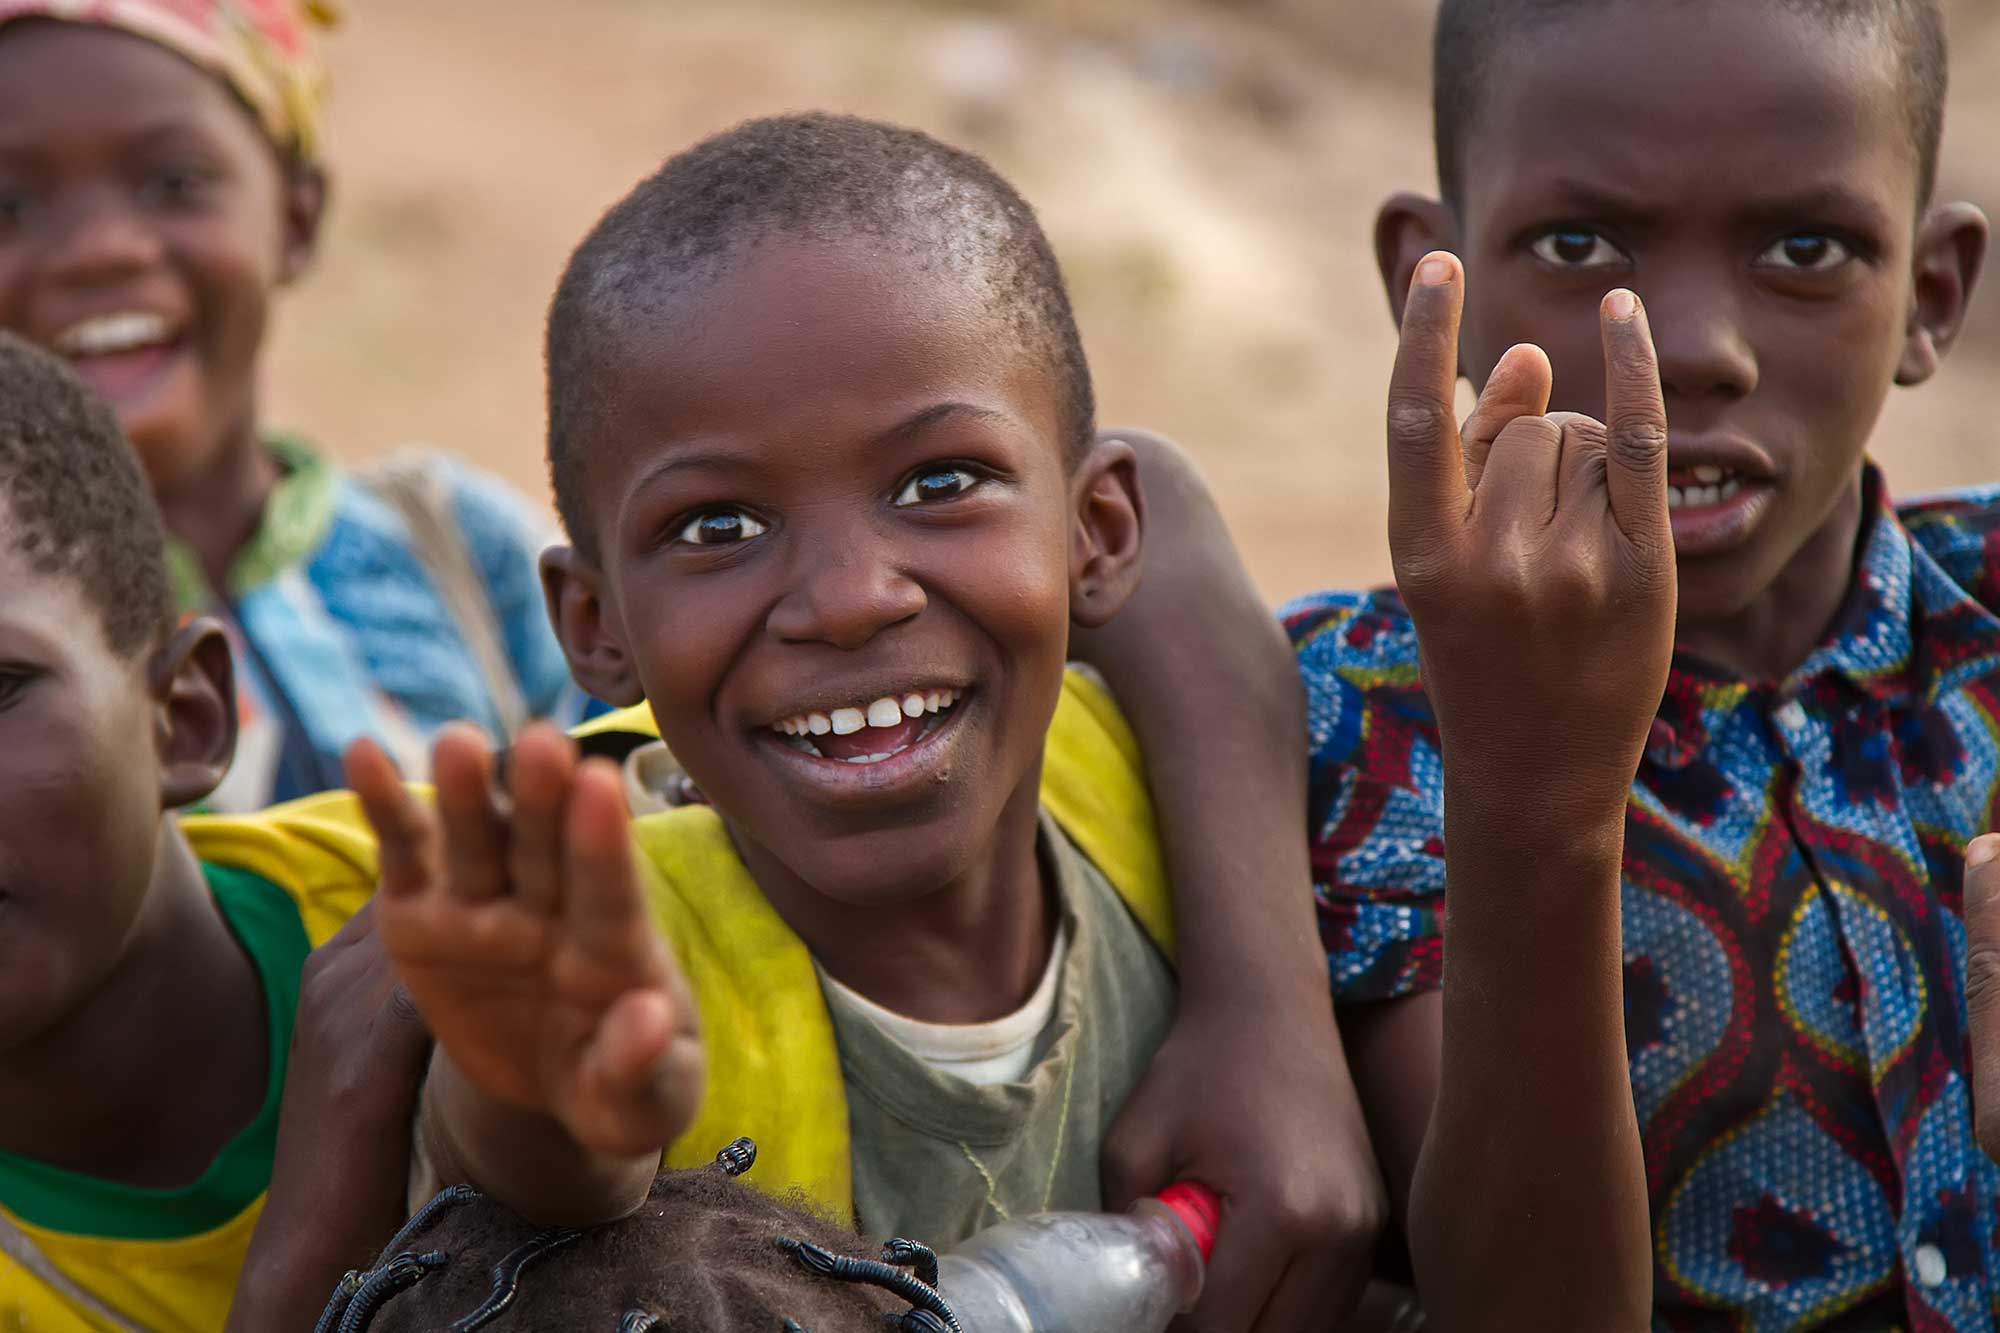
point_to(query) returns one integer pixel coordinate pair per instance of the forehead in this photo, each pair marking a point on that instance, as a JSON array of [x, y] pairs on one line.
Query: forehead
[[810, 342], [44, 616], [1696, 103], [61, 80]]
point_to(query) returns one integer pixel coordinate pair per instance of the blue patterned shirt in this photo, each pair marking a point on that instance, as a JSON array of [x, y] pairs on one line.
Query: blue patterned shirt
[[1793, 948]]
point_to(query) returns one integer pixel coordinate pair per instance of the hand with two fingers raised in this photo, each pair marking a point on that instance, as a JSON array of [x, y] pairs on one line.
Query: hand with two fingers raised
[[1534, 553], [1533, 550]]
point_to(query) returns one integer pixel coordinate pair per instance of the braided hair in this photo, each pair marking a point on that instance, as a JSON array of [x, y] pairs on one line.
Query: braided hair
[[705, 1252]]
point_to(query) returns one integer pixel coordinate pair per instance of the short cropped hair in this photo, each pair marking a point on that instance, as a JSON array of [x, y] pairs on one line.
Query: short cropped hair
[[820, 177], [1471, 33], [73, 500]]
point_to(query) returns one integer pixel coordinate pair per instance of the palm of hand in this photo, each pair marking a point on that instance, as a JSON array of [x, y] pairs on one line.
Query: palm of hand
[[515, 995]]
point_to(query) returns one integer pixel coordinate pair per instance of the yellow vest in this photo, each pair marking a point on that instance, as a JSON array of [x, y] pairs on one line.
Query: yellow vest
[[185, 1285], [773, 1069], [774, 1072]]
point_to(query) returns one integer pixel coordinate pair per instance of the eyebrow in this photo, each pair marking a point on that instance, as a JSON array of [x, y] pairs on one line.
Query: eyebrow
[[922, 421], [697, 460]]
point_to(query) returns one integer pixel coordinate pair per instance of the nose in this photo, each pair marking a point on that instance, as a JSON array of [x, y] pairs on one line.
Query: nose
[[1704, 348], [844, 592], [101, 238]]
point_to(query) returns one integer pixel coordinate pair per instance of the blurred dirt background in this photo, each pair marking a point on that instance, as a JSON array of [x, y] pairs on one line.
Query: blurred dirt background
[[1208, 170]]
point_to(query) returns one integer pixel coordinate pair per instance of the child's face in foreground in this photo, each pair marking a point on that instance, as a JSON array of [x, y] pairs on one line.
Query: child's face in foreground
[[79, 797], [1750, 172], [144, 220], [830, 490]]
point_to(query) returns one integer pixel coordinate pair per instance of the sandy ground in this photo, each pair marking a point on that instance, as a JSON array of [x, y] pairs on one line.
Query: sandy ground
[[1208, 172]]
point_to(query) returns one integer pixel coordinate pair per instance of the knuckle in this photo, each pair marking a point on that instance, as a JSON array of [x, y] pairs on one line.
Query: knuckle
[[1982, 978], [1416, 418], [1639, 441]]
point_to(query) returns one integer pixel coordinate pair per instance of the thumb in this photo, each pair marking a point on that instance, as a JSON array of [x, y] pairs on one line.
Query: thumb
[[1982, 984]]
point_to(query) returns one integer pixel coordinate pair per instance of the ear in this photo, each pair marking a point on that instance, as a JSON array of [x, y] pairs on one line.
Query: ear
[[1950, 251], [574, 590], [304, 205], [1107, 540], [1408, 227], [193, 683]]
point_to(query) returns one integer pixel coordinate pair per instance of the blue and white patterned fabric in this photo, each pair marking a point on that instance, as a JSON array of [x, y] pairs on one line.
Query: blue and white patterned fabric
[[341, 630]]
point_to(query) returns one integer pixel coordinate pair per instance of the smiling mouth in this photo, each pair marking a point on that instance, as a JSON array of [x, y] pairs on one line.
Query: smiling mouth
[[118, 334], [871, 733]]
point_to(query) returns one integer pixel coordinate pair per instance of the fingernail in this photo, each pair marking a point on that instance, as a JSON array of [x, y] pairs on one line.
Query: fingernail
[[1621, 304], [1982, 850], [1434, 271]]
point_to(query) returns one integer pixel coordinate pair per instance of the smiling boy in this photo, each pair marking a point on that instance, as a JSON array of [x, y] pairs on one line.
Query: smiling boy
[[1762, 174], [822, 434]]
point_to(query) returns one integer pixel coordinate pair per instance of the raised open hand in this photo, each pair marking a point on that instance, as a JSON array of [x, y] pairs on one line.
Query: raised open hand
[[1533, 550], [517, 924]]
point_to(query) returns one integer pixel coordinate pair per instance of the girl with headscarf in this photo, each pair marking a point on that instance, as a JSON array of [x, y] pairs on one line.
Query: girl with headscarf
[[160, 183]]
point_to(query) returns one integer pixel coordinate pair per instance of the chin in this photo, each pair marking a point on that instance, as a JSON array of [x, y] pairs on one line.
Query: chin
[[884, 869]]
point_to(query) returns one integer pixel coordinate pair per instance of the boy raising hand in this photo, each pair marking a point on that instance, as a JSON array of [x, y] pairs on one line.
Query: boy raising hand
[[1535, 557], [523, 937]]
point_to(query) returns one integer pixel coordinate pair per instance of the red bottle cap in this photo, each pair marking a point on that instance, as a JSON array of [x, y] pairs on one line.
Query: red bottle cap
[[1200, 1210]]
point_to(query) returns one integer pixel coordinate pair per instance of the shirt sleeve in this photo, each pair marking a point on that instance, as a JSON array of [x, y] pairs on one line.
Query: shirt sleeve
[[1375, 795]]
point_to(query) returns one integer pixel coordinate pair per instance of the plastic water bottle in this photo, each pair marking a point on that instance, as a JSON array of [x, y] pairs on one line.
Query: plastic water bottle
[[1085, 1272]]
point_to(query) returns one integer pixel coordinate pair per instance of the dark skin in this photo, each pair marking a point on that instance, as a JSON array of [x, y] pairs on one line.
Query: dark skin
[[1791, 280], [1791, 276], [118, 973], [767, 555], [133, 183], [1238, 856], [822, 584], [352, 1078], [1543, 594]]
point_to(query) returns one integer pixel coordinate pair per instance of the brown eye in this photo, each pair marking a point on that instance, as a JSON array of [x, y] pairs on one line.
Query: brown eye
[[942, 483], [1576, 247], [1807, 252], [721, 527]]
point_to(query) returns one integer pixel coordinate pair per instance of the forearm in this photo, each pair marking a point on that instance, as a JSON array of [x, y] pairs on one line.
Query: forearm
[[524, 1159], [1529, 1208], [1207, 678]]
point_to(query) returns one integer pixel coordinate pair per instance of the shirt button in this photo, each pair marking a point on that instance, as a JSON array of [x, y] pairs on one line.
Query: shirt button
[[1931, 1270], [1791, 715]]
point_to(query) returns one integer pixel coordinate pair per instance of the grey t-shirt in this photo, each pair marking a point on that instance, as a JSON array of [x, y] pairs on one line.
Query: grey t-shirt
[[937, 1158]]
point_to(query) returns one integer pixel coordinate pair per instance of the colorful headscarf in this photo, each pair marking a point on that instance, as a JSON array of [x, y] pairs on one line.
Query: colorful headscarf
[[260, 48]]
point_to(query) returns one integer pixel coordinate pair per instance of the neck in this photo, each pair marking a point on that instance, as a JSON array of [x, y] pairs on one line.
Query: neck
[[152, 1075], [1778, 630], [971, 951], [216, 508]]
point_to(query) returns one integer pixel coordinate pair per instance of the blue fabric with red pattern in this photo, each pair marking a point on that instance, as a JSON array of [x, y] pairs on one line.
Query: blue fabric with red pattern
[[1794, 953]]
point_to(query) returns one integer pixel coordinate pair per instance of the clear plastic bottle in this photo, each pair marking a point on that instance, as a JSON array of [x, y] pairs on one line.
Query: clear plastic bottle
[[1085, 1272]]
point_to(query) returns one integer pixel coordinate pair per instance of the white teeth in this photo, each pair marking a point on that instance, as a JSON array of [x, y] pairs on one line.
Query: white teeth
[[102, 335], [868, 758], [888, 711], [1674, 497], [1731, 487], [1708, 474]]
